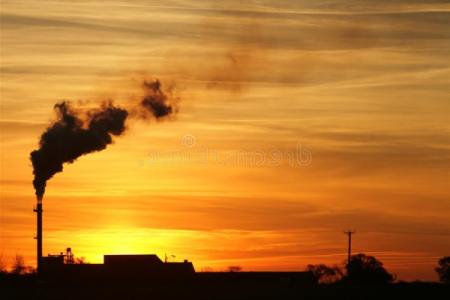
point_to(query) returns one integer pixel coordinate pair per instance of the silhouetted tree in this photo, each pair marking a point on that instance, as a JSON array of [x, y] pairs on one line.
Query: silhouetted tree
[[20, 268], [206, 270], [81, 260], [325, 274], [2, 265], [18, 265], [30, 270], [444, 269], [367, 269], [234, 268]]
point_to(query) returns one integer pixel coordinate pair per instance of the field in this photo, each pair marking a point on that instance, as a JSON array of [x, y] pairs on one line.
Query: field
[[30, 289]]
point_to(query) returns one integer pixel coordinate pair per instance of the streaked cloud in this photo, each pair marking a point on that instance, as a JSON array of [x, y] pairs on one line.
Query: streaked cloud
[[363, 86]]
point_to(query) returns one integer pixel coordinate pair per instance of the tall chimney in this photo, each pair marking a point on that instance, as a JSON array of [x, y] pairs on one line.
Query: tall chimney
[[38, 210]]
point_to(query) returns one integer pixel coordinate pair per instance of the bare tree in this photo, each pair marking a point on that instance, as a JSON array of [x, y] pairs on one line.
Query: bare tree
[[2, 265], [18, 265], [206, 270], [235, 268], [30, 270], [81, 260]]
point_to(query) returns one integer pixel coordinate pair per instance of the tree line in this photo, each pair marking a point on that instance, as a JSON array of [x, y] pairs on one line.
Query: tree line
[[367, 269], [360, 269], [18, 266]]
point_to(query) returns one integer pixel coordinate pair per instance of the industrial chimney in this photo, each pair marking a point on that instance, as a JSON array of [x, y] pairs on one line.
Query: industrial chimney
[[38, 237]]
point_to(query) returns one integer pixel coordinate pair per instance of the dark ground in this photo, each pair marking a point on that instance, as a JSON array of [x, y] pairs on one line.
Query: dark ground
[[30, 289]]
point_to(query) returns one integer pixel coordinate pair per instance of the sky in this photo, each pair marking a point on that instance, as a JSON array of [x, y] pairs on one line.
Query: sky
[[296, 120]]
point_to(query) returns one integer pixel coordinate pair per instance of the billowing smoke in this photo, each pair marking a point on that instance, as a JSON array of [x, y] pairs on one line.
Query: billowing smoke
[[77, 132], [155, 101]]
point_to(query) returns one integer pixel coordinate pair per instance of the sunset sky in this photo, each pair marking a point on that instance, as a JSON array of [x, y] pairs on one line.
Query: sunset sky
[[297, 120]]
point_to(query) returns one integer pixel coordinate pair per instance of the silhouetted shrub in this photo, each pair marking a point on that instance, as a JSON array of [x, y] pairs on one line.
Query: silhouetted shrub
[[234, 268], [324, 273]]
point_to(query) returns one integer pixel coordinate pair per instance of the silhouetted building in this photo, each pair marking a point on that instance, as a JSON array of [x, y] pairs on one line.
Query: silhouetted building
[[148, 269], [142, 268]]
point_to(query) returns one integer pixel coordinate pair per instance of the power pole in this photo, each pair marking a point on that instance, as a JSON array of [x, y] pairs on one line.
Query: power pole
[[349, 233]]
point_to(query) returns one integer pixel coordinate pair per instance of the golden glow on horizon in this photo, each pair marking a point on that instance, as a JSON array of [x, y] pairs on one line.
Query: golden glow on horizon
[[363, 88]]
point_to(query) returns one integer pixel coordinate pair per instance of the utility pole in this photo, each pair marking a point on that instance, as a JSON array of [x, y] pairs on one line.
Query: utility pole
[[349, 233]]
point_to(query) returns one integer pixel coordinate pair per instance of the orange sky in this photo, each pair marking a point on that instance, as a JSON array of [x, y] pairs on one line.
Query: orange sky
[[362, 89]]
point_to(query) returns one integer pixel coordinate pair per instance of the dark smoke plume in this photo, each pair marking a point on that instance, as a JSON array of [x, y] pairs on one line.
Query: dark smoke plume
[[78, 132], [155, 101]]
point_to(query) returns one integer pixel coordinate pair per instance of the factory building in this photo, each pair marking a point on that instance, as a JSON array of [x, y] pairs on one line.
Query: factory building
[[149, 269], [142, 268]]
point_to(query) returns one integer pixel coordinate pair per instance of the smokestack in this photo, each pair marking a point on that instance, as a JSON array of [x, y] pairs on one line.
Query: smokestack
[[38, 237], [78, 132]]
